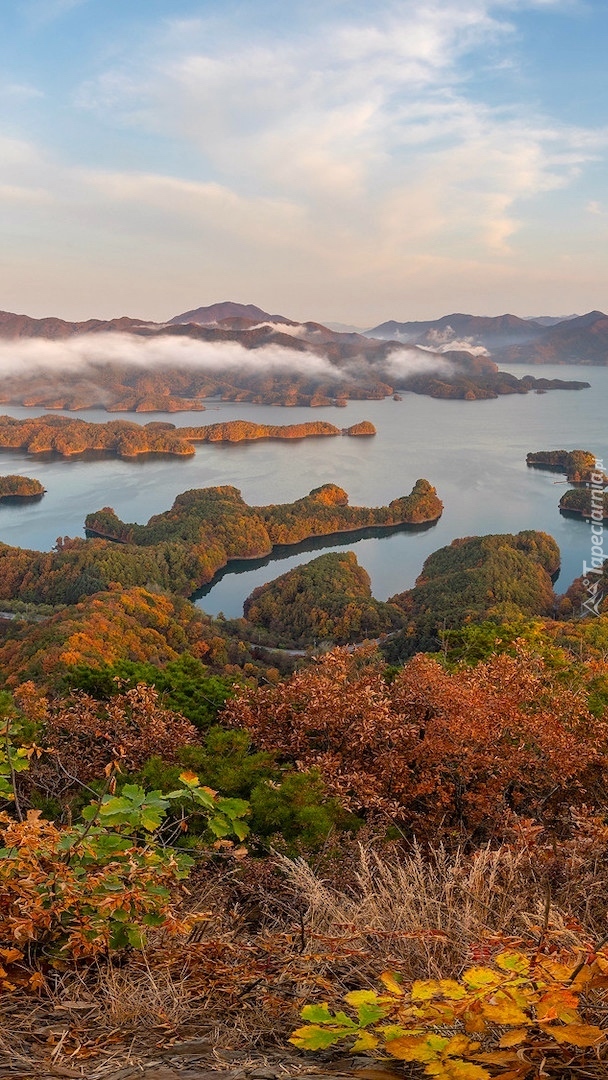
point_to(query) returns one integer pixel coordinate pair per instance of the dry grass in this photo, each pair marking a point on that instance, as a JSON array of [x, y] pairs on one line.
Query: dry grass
[[429, 913], [281, 933]]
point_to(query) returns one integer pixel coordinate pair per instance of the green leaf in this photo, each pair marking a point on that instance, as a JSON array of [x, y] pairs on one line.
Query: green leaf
[[204, 798], [150, 820], [370, 1014], [233, 808], [317, 1014], [318, 1038], [513, 961], [240, 829], [136, 937], [219, 826]]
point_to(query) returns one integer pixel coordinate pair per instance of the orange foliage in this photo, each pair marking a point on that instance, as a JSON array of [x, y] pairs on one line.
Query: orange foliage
[[458, 754], [129, 728]]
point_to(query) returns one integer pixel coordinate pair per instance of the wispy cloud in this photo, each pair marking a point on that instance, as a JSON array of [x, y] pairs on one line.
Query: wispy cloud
[[354, 154], [372, 114]]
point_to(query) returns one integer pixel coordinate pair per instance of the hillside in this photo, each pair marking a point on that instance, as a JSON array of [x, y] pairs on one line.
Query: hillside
[[328, 599]]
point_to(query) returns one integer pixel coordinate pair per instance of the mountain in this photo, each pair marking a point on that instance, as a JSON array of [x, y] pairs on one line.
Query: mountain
[[345, 328], [582, 339], [551, 320], [309, 364], [216, 314], [23, 326], [458, 330]]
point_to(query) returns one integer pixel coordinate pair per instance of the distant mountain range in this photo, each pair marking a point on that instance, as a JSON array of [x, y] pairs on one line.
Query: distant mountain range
[[582, 339], [507, 339], [276, 360]]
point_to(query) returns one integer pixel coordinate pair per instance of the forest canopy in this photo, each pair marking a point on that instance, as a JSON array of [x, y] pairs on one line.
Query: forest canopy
[[328, 599]]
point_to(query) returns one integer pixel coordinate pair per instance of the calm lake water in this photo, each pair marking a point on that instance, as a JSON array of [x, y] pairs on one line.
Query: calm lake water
[[473, 452]]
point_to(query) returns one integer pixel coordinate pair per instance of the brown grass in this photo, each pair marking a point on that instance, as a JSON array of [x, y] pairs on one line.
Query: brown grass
[[281, 933]]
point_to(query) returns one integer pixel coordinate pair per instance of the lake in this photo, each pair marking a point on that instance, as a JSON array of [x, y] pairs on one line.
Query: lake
[[473, 452]]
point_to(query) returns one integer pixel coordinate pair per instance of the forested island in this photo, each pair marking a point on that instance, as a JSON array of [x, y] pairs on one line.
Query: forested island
[[582, 502], [499, 576], [183, 548], [578, 465], [69, 437], [20, 487]]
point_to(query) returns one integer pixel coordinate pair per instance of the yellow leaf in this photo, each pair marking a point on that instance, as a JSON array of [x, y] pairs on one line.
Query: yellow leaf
[[188, 777], [479, 977], [10, 955], [575, 1034], [390, 981], [361, 997], [366, 1041], [413, 1048], [502, 1009], [459, 1045], [496, 1057], [559, 972], [602, 962], [424, 990], [474, 1022], [457, 1070], [513, 1038], [558, 1005], [452, 989]]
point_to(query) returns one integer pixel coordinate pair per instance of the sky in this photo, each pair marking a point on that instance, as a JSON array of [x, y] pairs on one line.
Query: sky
[[351, 160]]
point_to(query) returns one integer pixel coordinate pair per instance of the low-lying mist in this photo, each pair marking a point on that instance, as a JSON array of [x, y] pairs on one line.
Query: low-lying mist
[[35, 357]]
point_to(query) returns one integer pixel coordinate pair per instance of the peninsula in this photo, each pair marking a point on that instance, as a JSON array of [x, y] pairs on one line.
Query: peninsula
[[578, 501]]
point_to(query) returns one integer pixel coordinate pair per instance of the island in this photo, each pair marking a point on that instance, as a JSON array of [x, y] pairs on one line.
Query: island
[[578, 465], [20, 487], [68, 436], [183, 548], [585, 502]]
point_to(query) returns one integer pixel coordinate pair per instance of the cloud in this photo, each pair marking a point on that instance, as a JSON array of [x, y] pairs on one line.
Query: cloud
[[21, 91], [313, 164], [361, 118], [83, 359], [85, 352], [401, 363]]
